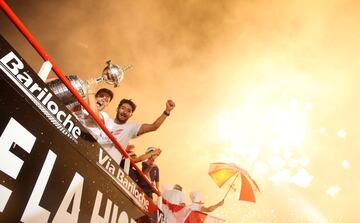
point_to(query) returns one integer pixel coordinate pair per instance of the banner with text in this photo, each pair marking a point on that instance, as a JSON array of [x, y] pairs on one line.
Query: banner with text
[[51, 169]]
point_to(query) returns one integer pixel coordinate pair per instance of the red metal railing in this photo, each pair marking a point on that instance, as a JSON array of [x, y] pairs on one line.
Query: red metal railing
[[21, 27]]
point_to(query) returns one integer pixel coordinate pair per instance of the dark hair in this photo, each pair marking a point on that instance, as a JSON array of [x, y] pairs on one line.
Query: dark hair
[[177, 187], [105, 90], [128, 101]]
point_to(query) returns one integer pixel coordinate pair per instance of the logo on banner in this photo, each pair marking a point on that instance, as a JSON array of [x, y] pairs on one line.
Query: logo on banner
[[41, 97], [111, 168]]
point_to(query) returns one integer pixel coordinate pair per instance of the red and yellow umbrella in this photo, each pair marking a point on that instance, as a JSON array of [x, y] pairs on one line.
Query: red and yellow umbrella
[[222, 172]]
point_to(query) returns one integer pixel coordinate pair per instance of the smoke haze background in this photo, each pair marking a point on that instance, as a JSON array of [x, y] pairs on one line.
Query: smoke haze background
[[216, 57]]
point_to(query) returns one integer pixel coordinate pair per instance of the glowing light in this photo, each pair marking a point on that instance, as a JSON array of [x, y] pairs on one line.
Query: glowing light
[[260, 168], [283, 176], [293, 163], [345, 164], [288, 128], [267, 138], [302, 178], [308, 107], [304, 161], [341, 133], [226, 126], [292, 201], [333, 191], [322, 130], [287, 151], [276, 162], [253, 154], [294, 104], [227, 159]]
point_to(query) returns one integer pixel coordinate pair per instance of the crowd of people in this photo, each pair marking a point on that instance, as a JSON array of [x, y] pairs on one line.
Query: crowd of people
[[175, 196], [124, 131]]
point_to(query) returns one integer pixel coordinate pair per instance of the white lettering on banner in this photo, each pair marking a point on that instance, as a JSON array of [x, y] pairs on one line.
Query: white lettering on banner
[[123, 218], [13, 66], [10, 164], [102, 159], [74, 192], [118, 175], [33, 212], [95, 217], [14, 132], [114, 214], [4, 197], [160, 217], [12, 62]]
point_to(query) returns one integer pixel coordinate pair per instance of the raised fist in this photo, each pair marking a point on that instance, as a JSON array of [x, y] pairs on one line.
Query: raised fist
[[170, 105]]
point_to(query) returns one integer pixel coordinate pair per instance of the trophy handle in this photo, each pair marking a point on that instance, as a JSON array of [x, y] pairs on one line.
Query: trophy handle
[[96, 80], [99, 79], [114, 74]]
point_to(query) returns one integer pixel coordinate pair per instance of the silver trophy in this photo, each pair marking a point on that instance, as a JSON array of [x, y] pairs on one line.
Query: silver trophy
[[112, 74]]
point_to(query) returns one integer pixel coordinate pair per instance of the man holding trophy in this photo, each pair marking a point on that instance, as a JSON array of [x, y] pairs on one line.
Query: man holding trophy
[[97, 102], [112, 74], [122, 131], [119, 127]]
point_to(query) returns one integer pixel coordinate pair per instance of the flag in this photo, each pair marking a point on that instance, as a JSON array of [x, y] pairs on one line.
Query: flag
[[174, 213], [178, 214], [201, 217]]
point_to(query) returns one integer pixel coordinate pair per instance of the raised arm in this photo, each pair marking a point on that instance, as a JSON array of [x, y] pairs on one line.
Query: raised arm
[[170, 105], [92, 104], [147, 155], [213, 207], [92, 100]]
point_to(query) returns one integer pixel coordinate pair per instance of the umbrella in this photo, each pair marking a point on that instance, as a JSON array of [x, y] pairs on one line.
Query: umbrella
[[222, 172]]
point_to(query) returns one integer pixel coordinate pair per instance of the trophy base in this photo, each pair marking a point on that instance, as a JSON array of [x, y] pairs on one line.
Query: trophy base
[[62, 92]]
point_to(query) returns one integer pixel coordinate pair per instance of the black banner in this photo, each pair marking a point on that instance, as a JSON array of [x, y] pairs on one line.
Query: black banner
[[51, 169]]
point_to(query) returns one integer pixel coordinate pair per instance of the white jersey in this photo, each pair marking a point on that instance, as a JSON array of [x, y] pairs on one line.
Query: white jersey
[[96, 130], [195, 206], [89, 123], [174, 196], [122, 132]]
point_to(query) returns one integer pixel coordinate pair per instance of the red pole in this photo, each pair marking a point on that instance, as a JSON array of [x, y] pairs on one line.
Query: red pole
[[21, 27]]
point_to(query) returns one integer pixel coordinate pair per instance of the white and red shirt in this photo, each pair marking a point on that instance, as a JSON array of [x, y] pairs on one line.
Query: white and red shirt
[[195, 206], [177, 214], [174, 196], [122, 132], [89, 123]]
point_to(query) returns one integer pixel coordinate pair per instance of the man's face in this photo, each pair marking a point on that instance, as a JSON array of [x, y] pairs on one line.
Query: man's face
[[151, 160], [124, 112], [102, 100]]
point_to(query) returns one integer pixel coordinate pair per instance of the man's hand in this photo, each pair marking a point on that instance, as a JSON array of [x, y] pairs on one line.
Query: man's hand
[[144, 128], [156, 152], [170, 105], [129, 148]]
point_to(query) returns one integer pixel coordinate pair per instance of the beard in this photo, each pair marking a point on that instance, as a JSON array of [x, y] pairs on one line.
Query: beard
[[121, 119]]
